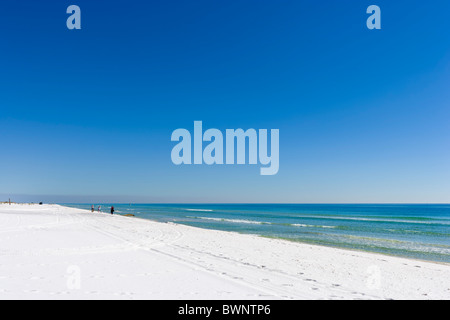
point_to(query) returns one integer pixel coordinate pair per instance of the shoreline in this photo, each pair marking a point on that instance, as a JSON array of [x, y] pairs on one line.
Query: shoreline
[[169, 256], [281, 239], [360, 251], [387, 250]]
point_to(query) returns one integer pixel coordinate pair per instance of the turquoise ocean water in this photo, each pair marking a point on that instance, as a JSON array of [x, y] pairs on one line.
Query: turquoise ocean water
[[415, 231]]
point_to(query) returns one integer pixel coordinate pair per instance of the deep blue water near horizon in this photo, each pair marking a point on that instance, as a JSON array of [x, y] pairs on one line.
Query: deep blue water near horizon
[[420, 231]]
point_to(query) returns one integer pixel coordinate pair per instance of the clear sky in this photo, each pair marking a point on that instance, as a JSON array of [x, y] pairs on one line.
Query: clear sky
[[87, 115]]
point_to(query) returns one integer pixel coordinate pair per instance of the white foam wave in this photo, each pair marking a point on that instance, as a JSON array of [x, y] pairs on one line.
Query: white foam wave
[[312, 226], [231, 220]]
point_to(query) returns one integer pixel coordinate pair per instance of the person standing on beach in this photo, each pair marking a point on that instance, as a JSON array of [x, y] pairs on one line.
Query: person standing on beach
[[92, 208], [99, 208], [112, 210]]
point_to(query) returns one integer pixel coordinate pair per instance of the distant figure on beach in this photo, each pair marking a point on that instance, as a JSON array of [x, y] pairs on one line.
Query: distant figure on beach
[[112, 210], [99, 208], [92, 208]]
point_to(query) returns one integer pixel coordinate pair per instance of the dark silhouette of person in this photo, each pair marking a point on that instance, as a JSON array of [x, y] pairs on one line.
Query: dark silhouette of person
[[112, 210]]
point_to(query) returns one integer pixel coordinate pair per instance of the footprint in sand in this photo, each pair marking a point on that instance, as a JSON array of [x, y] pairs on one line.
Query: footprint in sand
[[31, 291], [59, 293], [124, 294], [92, 292]]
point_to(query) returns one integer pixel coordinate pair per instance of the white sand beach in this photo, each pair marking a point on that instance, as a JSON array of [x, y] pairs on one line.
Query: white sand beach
[[54, 252]]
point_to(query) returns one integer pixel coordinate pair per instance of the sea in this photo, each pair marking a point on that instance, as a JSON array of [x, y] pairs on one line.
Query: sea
[[419, 231]]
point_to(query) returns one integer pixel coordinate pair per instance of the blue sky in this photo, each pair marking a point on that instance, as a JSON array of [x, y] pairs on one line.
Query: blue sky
[[86, 115]]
